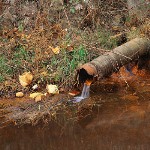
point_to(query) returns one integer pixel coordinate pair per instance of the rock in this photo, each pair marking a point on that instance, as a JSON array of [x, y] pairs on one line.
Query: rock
[[35, 87], [52, 89], [25, 79], [34, 95], [19, 94]]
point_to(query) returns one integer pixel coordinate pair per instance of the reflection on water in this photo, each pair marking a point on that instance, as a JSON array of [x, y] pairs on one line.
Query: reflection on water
[[120, 120]]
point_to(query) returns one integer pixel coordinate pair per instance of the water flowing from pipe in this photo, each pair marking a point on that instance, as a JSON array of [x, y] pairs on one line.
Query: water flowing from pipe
[[85, 94]]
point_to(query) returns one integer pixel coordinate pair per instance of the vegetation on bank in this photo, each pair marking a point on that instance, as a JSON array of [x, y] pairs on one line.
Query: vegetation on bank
[[30, 35]]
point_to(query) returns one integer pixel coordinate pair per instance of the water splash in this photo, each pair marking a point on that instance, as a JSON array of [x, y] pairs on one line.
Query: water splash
[[85, 94]]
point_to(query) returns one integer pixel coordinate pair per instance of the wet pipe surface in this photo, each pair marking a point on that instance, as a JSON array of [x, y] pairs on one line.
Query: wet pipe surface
[[119, 120]]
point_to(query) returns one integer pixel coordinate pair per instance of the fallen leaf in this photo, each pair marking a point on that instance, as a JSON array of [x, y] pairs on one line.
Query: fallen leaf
[[74, 93], [115, 28], [70, 48], [56, 50], [52, 89], [44, 73], [34, 95], [19, 94], [25, 79], [38, 98]]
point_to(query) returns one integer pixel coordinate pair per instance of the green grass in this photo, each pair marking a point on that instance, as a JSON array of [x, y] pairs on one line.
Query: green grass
[[6, 70], [17, 62], [62, 66], [1, 78], [105, 41], [100, 37], [20, 27], [20, 55]]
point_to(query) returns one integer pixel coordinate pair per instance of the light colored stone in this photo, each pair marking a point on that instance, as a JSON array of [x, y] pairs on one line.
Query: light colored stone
[[19, 94]]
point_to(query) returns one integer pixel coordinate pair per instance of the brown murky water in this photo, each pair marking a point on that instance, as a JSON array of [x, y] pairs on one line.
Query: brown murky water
[[120, 120]]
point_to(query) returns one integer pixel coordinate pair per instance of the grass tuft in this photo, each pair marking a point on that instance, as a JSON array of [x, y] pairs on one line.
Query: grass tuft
[[17, 62], [61, 67], [105, 41]]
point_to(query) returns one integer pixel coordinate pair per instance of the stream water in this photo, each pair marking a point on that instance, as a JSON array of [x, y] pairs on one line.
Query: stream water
[[119, 120]]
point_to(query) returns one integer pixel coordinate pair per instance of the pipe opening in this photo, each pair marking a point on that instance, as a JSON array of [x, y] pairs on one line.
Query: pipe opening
[[84, 76]]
